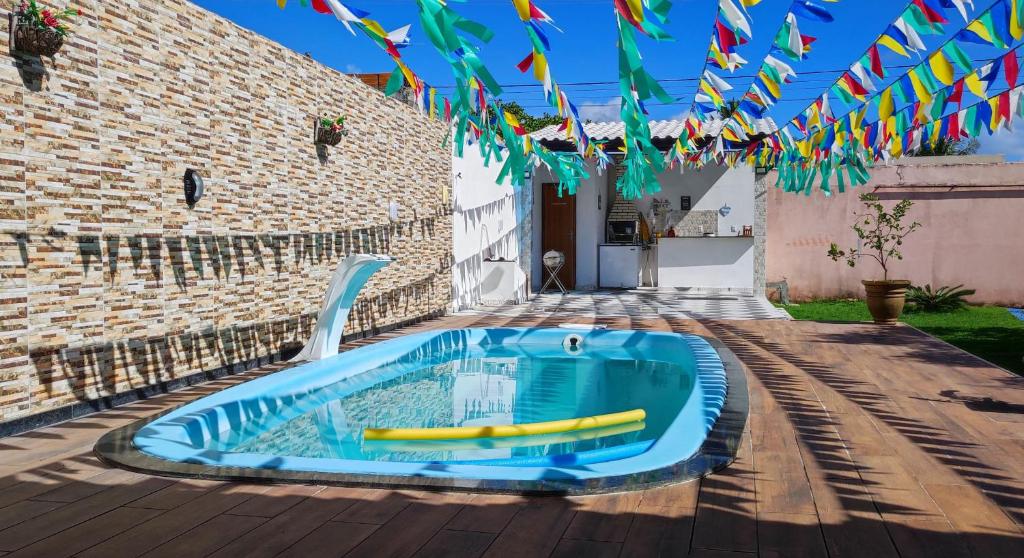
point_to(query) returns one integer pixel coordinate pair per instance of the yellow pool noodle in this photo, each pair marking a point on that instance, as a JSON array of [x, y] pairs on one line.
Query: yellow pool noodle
[[504, 430], [499, 443]]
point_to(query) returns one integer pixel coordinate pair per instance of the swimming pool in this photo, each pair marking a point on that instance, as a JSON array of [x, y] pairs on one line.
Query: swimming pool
[[314, 421]]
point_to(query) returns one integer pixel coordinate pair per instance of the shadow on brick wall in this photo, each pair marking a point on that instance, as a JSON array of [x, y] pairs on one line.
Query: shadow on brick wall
[[84, 372], [221, 255], [102, 370]]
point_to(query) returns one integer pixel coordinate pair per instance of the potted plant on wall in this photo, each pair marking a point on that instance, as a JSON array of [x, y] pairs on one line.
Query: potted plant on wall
[[881, 233], [39, 30], [329, 131]]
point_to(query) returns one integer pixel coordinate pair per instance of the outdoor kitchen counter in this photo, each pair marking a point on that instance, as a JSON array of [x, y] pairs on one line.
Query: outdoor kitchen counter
[[701, 262]]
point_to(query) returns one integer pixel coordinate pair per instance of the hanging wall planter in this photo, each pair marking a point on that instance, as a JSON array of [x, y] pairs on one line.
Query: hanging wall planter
[[329, 131], [38, 30]]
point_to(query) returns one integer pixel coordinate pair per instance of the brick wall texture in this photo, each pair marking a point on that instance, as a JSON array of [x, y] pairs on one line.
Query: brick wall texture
[[109, 282]]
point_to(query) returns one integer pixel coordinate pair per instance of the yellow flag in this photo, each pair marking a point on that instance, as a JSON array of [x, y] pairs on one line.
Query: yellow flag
[[281, 3], [805, 148], [1016, 25], [996, 118], [892, 45], [540, 66], [923, 110], [885, 104], [978, 27], [522, 8], [920, 90], [636, 8], [941, 68], [975, 85], [773, 87], [936, 132]]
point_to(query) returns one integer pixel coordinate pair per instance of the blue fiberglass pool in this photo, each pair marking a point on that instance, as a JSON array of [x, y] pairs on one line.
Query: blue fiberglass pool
[[312, 417]]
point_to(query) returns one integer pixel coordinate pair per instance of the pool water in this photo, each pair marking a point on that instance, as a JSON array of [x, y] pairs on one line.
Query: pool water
[[483, 386]]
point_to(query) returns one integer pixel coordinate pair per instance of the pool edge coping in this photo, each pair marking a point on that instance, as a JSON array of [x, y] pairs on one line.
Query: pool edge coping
[[717, 451]]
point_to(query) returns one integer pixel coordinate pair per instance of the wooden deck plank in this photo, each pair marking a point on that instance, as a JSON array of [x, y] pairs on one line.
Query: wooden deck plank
[[40, 480], [150, 535], [659, 532], [574, 548], [534, 531], [987, 530], [854, 536], [779, 485], [928, 538], [726, 508], [75, 491], [674, 496], [280, 533], [603, 518], [132, 488], [275, 501], [208, 537], [178, 494], [334, 538], [376, 507], [486, 513], [456, 544], [84, 535], [411, 529], [786, 535], [23, 511]]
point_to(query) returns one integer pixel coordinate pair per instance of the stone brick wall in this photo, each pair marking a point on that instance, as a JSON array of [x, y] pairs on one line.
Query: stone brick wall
[[110, 283], [693, 223]]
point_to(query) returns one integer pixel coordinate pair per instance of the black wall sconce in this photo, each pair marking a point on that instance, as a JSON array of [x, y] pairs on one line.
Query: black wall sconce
[[193, 187]]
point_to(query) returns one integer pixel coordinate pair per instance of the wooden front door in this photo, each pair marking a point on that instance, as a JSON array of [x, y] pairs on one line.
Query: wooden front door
[[559, 231]]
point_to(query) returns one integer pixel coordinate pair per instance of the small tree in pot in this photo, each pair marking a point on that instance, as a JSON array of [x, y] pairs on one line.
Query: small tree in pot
[[881, 233]]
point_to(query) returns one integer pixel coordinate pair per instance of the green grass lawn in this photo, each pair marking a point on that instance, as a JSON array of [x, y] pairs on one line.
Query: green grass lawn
[[987, 331]]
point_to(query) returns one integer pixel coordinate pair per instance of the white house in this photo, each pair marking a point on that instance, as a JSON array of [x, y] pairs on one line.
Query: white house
[[703, 232]]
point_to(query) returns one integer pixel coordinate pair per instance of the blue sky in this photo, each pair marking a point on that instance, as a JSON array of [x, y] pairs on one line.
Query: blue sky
[[584, 54]]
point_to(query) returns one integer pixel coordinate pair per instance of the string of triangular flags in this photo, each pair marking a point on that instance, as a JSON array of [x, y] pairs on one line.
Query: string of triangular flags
[[920, 17], [764, 91], [732, 28], [642, 161], [497, 132], [886, 115], [926, 89], [532, 16], [473, 111], [988, 115]]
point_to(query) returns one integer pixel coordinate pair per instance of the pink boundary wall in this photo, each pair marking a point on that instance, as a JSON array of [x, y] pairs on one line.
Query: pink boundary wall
[[971, 209]]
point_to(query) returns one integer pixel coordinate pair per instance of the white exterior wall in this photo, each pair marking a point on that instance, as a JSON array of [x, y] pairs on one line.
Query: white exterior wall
[[706, 263], [485, 223], [710, 189]]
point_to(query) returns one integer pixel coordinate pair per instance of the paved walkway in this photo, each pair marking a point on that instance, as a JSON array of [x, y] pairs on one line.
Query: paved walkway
[[644, 303], [862, 441]]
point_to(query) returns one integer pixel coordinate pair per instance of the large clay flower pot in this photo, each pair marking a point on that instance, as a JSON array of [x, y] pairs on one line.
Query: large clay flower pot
[[886, 299]]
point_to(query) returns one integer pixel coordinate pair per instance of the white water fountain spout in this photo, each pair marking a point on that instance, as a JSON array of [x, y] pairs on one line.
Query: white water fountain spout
[[348, 280]]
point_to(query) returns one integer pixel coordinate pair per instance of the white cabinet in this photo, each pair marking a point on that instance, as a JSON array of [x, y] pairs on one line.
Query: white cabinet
[[501, 282], [619, 266]]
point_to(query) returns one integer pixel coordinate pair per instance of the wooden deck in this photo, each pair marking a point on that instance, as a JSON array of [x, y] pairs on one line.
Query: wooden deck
[[862, 441]]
